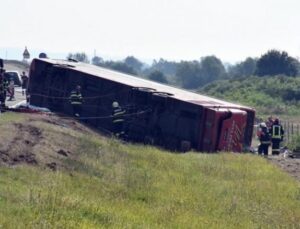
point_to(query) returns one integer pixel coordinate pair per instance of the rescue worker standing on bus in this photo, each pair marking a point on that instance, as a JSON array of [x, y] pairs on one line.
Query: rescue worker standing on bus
[[265, 139], [277, 136], [76, 100], [118, 119]]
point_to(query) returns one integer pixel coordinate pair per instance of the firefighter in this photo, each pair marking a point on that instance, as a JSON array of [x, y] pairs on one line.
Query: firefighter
[[3, 86], [277, 136], [5, 83], [2, 90], [118, 119], [11, 90], [269, 123], [76, 101], [265, 139]]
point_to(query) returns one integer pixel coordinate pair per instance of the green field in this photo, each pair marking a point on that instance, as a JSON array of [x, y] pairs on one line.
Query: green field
[[107, 184]]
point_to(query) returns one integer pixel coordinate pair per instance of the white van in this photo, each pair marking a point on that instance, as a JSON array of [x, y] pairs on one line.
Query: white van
[[15, 76]]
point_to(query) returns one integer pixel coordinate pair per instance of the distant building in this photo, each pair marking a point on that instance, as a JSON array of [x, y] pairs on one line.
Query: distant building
[[26, 55]]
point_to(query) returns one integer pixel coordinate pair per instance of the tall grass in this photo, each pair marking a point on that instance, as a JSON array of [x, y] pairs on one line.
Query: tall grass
[[117, 186], [113, 185]]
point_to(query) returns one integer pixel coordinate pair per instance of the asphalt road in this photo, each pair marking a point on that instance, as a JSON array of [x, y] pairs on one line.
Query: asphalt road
[[18, 97]]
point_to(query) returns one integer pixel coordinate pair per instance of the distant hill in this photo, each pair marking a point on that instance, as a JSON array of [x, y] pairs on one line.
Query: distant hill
[[15, 65]]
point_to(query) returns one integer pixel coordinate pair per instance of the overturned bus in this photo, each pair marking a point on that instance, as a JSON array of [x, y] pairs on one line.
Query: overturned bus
[[155, 113]]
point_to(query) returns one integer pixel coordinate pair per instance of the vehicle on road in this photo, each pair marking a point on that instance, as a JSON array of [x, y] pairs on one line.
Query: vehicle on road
[[15, 76]]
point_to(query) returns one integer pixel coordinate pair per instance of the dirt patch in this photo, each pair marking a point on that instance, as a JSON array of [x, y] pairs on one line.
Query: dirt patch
[[64, 123], [18, 145], [52, 166], [28, 158], [63, 153], [287, 164], [40, 140]]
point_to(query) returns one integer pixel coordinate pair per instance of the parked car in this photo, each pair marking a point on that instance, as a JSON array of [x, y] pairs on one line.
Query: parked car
[[15, 76]]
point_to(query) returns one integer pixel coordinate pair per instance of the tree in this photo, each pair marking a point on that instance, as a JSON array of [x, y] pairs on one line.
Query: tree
[[134, 63], [97, 61], [79, 56], [212, 69], [244, 68], [275, 62], [157, 76], [188, 74], [119, 66], [164, 66]]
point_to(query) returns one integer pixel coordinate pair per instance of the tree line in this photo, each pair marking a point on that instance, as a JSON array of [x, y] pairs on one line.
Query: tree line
[[197, 73]]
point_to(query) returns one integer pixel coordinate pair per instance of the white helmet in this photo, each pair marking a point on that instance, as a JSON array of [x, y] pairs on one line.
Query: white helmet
[[263, 124], [115, 104]]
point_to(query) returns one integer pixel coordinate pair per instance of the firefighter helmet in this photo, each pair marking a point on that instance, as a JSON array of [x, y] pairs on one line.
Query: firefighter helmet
[[115, 104], [263, 124]]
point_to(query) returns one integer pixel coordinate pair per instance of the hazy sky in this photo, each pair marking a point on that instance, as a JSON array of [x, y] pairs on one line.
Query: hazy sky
[[173, 29]]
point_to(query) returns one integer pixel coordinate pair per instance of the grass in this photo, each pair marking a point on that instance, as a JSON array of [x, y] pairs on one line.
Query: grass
[[113, 185], [294, 145]]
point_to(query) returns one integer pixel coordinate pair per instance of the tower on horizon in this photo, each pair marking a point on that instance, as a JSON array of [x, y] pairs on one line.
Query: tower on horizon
[[26, 55]]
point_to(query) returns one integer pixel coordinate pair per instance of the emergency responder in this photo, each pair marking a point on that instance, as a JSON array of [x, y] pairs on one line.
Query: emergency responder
[[2, 90], [24, 78], [11, 90], [6, 83], [277, 136], [264, 138], [76, 100], [2, 86], [118, 119], [269, 123]]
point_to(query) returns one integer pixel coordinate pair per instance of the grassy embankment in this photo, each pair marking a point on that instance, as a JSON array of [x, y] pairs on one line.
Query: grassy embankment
[[107, 184]]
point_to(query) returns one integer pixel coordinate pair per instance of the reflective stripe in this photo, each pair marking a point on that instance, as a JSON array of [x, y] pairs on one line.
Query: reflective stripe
[[75, 98], [76, 102], [120, 133], [276, 132], [275, 150], [265, 142], [119, 113], [118, 120]]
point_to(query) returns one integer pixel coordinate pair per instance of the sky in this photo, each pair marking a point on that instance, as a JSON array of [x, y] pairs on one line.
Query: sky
[[150, 29]]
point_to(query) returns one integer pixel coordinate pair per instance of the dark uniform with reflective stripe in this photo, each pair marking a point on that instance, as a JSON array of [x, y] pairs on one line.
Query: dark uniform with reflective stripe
[[3, 89], [76, 102], [265, 141], [277, 137], [2, 86], [118, 121]]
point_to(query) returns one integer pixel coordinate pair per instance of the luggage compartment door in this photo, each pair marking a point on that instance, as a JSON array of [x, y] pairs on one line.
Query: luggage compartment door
[[211, 130]]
